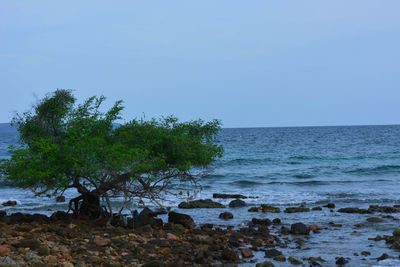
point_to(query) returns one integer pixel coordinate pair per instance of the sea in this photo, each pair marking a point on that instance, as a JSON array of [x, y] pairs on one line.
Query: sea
[[351, 166]]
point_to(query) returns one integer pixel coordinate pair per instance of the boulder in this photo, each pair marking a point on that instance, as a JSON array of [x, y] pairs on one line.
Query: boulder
[[201, 203], [296, 209], [272, 253], [246, 252], [330, 205], [266, 222], [226, 215], [265, 208], [9, 203], [179, 218], [33, 244], [299, 229], [216, 195], [237, 203], [354, 210]]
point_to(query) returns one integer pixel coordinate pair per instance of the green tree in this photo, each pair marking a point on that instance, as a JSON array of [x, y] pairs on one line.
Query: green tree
[[67, 145]]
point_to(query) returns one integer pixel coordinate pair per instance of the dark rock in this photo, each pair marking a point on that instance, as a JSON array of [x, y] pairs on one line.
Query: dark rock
[[296, 209], [154, 264], [237, 203], [265, 208], [276, 221], [27, 243], [201, 203], [60, 199], [216, 195], [60, 216], [3, 213], [226, 215], [285, 231], [384, 209], [396, 233], [341, 261], [229, 255], [330, 205], [384, 256], [299, 229], [265, 264], [317, 208], [265, 222], [294, 261], [375, 219], [9, 203], [354, 210], [179, 218], [272, 253], [365, 253]]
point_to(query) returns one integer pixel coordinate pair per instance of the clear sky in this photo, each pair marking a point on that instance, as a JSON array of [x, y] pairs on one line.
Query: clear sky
[[248, 63]]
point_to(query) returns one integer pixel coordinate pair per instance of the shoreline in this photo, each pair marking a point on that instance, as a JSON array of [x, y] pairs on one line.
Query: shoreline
[[262, 232]]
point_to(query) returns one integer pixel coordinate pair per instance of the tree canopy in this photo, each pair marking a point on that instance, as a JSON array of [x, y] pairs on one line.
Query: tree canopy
[[68, 145]]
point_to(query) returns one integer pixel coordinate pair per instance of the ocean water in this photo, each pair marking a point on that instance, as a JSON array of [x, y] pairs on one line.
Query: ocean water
[[354, 166]]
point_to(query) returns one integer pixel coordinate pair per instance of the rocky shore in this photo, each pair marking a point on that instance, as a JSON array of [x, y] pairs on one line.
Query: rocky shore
[[146, 240]]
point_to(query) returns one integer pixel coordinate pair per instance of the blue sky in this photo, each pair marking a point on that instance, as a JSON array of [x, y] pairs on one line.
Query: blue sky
[[248, 63]]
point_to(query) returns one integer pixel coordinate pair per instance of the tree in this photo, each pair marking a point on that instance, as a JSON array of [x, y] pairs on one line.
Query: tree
[[67, 145]]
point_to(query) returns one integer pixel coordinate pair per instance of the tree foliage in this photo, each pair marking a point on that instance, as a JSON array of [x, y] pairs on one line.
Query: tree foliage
[[67, 145]]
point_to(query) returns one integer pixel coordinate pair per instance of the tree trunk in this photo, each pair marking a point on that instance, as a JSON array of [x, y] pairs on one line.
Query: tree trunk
[[90, 206]]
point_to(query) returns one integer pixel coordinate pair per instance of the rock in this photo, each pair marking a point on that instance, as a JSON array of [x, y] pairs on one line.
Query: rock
[[246, 252], [44, 251], [226, 215], [296, 209], [183, 219], [365, 253], [284, 230], [354, 210], [265, 222], [3, 213], [375, 219], [7, 261], [280, 258], [172, 237], [294, 261], [265, 208], [101, 242], [384, 209], [341, 261], [396, 233], [66, 264], [299, 229], [276, 221], [4, 250], [237, 203], [384, 256], [271, 253], [230, 255], [31, 257], [216, 195], [201, 203], [153, 264], [60, 199], [265, 264], [9, 203], [330, 205], [315, 228], [317, 208], [33, 244], [51, 259]]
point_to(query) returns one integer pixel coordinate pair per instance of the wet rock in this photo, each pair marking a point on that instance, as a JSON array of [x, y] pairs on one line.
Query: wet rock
[[280, 258], [216, 195], [299, 229], [60, 199], [314, 259], [365, 253], [396, 233], [276, 221], [226, 215], [9, 203], [329, 206], [237, 203], [265, 208], [178, 218], [315, 228], [375, 219], [201, 203], [384, 256], [272, 253], [229, 255], [333, 224], [377, 238], [294, 261], [296, 209], [317, 208], [265, 222], [384, 209], [246, 252], [341, 261], [285, 230], [354, 210], [265, 264]]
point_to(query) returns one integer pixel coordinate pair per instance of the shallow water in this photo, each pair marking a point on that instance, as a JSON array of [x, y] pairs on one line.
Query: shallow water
[[350, 166]]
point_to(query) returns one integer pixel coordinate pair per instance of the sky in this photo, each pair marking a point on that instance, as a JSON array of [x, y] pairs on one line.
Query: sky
[[252, 63]]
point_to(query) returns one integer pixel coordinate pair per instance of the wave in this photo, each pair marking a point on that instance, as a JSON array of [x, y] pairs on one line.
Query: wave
[[375, 170], [246, 183], [303, 176]]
